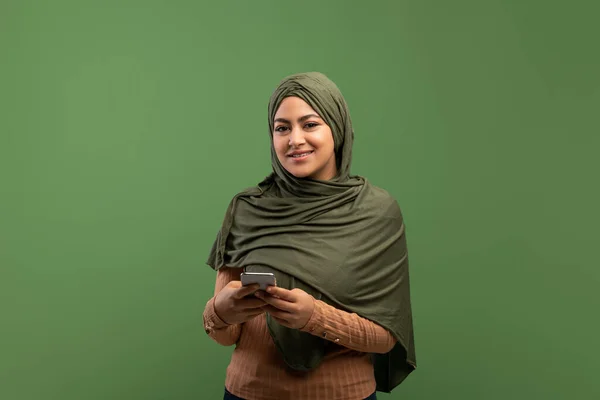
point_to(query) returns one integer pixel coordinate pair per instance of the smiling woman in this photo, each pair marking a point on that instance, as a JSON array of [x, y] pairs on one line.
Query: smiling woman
[[339, 323], [303, 141]]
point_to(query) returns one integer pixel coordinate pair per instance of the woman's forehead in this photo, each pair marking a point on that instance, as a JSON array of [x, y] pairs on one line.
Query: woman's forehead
[[294, 106]]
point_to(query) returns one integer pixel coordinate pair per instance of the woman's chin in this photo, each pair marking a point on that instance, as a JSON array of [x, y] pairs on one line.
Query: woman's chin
[[299, 173]]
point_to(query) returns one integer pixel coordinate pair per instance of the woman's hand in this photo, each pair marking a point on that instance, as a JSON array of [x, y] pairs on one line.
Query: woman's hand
[[234, 307], [291, 308]]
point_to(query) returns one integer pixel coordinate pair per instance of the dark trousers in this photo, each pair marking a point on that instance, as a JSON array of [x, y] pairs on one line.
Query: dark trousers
[[229, 396]]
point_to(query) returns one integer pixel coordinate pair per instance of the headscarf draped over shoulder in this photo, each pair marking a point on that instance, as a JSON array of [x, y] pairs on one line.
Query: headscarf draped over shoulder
[[342, 241]]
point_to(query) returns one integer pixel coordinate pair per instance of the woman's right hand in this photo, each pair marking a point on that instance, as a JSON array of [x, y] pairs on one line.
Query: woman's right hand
[[232, 305]]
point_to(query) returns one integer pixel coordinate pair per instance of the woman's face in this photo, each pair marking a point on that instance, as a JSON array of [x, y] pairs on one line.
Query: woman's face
[[303, 141]]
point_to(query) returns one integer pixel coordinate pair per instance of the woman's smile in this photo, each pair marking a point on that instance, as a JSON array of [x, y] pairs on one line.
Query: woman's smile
[[297, 156]]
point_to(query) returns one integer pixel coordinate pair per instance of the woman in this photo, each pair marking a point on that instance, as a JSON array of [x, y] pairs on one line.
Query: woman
[[338, 325]]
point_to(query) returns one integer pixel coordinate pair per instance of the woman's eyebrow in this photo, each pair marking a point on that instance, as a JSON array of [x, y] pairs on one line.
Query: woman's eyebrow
[[301, 119]]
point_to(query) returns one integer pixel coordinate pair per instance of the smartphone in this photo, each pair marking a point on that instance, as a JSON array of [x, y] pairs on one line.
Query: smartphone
[[264, 279]]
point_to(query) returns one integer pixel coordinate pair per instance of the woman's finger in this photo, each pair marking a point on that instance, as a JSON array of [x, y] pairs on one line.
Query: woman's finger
[[275, 302], [251, 303], [277, 313], [282, 293], [244, 291]]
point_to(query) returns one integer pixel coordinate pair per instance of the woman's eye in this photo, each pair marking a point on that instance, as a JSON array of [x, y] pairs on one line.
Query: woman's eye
[[280, 128], [311, 125]]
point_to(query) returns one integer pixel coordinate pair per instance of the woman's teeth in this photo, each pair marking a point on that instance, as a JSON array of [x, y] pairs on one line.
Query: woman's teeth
[[301, 155]]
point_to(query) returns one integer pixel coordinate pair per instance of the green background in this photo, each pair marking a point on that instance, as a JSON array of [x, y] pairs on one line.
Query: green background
[[127, 126]]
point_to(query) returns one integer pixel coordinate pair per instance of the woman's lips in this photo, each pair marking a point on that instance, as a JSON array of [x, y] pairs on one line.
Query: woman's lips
[[302, 156]]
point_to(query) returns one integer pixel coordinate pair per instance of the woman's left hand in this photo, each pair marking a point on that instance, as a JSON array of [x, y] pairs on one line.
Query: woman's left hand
[[291, 308]]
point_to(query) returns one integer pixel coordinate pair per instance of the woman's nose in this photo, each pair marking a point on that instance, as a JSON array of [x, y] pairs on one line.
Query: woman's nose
[[296, 137]]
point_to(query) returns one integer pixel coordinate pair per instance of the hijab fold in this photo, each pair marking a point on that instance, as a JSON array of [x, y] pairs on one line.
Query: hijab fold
[[342, 241]]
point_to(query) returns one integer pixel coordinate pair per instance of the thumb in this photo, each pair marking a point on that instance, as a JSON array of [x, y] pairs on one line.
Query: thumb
[[244, 291]]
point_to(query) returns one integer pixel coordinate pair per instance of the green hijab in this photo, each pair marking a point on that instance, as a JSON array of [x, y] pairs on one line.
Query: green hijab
[[342, 241]]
